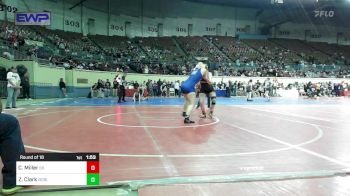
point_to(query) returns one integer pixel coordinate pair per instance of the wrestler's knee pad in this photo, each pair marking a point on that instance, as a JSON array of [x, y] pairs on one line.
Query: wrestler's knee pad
[[213, 100]]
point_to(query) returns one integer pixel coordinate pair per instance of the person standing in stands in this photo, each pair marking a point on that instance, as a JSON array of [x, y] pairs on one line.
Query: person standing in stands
[[11, 145], [13, 86]]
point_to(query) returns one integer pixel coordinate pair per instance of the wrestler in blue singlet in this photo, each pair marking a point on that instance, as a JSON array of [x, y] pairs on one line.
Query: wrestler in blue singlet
[[189, 85]]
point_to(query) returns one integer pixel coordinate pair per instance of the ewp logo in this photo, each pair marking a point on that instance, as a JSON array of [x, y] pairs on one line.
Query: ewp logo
[[41, 18]]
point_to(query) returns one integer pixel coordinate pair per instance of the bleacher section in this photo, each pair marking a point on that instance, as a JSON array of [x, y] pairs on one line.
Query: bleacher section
[[121, 48], [201, 47], [160, 48], [235, 49], [174, 55], [337, 52], [307, 52], [275, 52]]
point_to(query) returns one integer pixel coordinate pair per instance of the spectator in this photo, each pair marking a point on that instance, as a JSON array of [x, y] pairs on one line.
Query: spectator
[[159, 84], [13, 87], [149, 88], [155, 88], [163, 88], [115, 86], [136, 96], [8, 55], [168, 86], [234, 88], [93, 92], [100, 88], [146, 69], [107, 88], [136, 85], [11, 146], [26, 86], [122, 91], [177, 88], [62, 86], [249, 90]]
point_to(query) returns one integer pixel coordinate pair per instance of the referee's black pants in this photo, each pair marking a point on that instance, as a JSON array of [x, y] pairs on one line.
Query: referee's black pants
[[121, 93]]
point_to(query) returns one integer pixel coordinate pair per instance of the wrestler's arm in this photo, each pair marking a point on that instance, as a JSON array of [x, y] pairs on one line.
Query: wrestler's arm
[[205, 77], [198, 85]]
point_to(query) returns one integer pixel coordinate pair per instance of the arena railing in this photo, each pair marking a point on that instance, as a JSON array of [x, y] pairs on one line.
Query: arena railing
[[18, 53]]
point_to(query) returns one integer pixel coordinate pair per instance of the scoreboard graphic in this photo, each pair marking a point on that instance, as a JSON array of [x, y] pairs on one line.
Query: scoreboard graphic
[[58, 169]]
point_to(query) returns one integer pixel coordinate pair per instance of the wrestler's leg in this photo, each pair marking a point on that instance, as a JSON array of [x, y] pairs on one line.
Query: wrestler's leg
[[189, 105], [212, 96], [202, 97]]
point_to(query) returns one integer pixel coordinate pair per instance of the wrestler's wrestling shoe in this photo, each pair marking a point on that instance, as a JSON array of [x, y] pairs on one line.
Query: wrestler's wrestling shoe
[[188, 121], [12, 190], [204, 115], [211, 115]]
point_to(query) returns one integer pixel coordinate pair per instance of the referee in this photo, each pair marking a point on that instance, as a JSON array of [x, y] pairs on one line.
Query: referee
[[121, 93]]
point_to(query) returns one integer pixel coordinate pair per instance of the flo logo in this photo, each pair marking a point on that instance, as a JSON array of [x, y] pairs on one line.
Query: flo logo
[[324, 14]]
